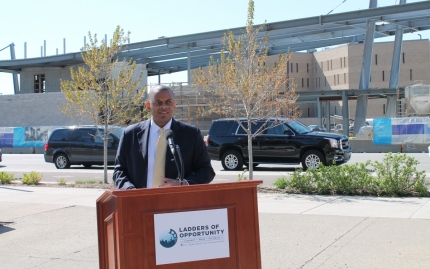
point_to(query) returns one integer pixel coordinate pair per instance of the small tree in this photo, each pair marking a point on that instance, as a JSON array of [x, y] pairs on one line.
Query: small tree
[[105, 89], [244, 86]]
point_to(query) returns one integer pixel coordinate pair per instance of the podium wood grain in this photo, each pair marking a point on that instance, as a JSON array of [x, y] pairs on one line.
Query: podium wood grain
[[125, 222]]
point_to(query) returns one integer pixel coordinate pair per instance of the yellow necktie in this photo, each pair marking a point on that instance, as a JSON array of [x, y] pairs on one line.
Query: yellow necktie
[[160, 160]]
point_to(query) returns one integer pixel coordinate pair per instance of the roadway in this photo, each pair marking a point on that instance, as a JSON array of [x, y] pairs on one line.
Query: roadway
[[25, 163]]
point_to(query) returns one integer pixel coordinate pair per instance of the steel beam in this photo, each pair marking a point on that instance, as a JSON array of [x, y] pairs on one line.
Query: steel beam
[[391, 108]]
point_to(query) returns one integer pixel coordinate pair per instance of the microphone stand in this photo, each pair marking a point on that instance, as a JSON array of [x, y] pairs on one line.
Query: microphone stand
[[177, 165], [181, 178]]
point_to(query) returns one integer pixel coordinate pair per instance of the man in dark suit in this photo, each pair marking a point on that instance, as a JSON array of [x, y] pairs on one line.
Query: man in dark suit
[[135, 159]]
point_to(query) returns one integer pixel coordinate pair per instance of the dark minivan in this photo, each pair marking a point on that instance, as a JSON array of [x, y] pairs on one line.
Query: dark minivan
[[80, 145], [287, 142]]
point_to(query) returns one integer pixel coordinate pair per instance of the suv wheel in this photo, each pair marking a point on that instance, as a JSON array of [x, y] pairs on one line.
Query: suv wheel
[[311, 159], [61, 161], [232, 160]]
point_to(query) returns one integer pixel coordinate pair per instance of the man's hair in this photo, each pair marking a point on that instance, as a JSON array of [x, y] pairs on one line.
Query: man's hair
[[159, 88]]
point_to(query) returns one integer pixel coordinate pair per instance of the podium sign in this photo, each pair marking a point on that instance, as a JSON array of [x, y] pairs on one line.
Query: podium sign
[[191, 236], [207, 226]]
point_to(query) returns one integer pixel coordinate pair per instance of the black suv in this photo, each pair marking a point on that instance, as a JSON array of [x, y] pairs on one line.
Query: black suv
[[288, 142], [81, 145]]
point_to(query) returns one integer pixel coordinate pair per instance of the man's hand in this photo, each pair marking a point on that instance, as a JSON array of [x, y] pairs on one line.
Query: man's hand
[[171, 182]]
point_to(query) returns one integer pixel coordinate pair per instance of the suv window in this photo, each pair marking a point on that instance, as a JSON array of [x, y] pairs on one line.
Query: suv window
[[254, 127], [61, 135], [222, 127], [83, 135], [277, 130], [299, 127]]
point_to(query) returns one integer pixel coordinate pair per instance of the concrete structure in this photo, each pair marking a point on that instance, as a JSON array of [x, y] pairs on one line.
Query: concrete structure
[[334, 68], [339, 68]]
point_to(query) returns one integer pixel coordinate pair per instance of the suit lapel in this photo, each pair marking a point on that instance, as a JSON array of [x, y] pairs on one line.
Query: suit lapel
[[142, 137]]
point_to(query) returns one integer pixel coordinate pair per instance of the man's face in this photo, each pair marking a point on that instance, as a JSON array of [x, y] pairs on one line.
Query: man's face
[[161, 104]]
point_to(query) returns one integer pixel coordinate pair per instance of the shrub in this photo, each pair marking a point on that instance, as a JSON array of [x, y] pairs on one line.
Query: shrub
[[89, 181], [242, 175], [62, 182], [6, 178], [396, 175], [33, 178]]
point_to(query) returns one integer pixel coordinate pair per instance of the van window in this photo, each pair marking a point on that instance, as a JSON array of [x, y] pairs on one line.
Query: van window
[[99, 138], [61, 135], [83, 135]]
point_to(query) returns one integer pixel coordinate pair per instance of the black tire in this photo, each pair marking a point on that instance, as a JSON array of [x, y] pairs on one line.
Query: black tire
[[312, 158], [61, 161], [87, 165], [232, 160]]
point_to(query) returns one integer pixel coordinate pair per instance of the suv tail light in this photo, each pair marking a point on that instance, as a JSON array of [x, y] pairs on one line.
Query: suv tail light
[[46, 146], [207, 140]]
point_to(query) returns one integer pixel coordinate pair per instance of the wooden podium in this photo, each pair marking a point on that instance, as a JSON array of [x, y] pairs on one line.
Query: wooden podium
[[125, 221]]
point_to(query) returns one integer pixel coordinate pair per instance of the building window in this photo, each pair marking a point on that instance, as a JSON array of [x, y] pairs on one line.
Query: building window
[[303, 82], [344, 78], [292, 70], [403, 57], [410, 74], [322, 66], [307, 68], [328, 65], [39, 83], [331, 64], [344, 61], [307, 82], [383, 75], [319, 82], [297, 67], [376, 59], [341, 62], [383, 109]]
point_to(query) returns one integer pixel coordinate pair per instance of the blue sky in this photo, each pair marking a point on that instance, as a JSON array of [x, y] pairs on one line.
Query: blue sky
[[35, 21]]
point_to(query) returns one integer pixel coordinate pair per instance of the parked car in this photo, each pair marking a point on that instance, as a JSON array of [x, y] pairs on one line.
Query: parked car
[[81, 146], [289, 142], [316, 128]]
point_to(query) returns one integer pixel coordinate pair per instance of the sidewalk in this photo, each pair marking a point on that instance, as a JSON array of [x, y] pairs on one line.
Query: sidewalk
[[47, 227]]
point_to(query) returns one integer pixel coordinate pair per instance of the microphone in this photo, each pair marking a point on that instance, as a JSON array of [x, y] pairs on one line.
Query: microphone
[[169, 136]]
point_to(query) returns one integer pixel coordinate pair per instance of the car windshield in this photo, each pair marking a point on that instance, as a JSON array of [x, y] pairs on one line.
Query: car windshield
[[299, 127]]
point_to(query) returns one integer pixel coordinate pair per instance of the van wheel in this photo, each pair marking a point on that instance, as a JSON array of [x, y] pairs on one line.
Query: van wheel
[[232, 160], [61, 161], [311, 159]]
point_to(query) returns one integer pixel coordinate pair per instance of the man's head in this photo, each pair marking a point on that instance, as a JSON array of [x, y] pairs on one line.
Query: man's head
[[161, 103]]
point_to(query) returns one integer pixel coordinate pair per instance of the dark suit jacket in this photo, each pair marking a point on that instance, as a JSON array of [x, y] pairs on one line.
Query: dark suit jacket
[[131, 162]]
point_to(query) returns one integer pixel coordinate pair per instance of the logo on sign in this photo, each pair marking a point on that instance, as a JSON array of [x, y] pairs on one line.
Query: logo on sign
[[168, 238]]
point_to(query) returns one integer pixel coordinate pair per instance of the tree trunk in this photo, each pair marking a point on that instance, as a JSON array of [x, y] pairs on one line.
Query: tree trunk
[[250, 161], [105, 144]]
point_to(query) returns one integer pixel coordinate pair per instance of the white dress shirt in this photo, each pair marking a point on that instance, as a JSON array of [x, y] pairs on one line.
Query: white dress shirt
[[152, 149]]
